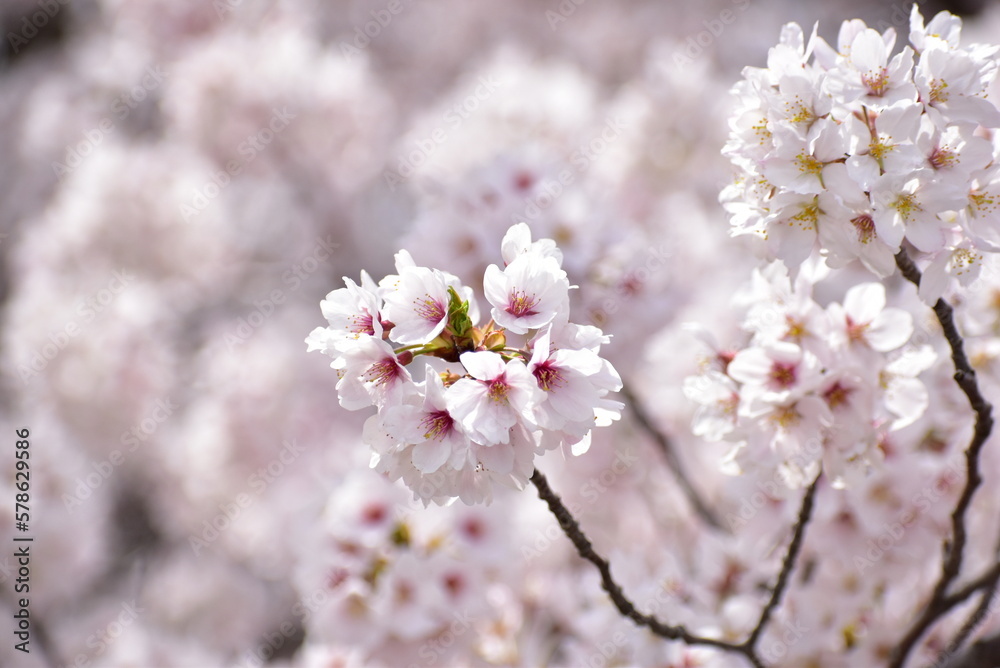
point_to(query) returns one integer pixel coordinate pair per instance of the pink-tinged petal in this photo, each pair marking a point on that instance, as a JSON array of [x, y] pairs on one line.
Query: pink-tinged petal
[[484, 365], [497, 458], [319, 339], [815, 411], [863, 170], [934, 279], [864, 302], [795, 240], [889, 330], [517, 240], [580, 447], [353, 396], [752, 365], [907, 399], [431, 454], [574, 402], [868, 52], [879, 258], [785, 352], [495, 286], [926, 233], [889, 226]]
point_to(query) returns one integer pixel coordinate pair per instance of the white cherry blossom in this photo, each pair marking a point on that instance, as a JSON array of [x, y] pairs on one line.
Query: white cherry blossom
[[528, 294]]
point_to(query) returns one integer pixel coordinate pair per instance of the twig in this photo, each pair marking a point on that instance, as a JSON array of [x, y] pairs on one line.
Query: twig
[[794, 547], [586, 550], [977, 617], [673, 461], [953, 549]]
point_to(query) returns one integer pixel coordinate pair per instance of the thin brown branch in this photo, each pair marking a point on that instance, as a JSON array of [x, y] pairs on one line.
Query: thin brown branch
[[788, 564], [673, 461], [977, 617], [954, 548], [586, 550], [987, 580]]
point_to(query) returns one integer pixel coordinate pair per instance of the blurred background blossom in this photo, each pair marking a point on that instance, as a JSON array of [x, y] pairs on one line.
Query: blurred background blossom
[[182, 182]]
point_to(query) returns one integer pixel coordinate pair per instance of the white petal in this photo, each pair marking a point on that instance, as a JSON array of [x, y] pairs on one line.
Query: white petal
[[431, 454]]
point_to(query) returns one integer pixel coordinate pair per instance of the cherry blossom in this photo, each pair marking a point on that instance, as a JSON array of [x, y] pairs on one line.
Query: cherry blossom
[[479, 408]]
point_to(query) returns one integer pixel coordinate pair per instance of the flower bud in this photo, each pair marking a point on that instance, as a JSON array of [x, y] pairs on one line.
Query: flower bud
[[495, 340]]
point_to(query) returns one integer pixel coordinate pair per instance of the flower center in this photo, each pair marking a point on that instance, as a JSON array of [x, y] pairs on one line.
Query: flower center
[[938, 93], [361, 324], [906, 204], [876, 81], [982, 202], [383, 372], [498, 390], [962, 259], [783, 374], [437, 425], [520, 304], [549, 376], [942, 156], [796, 328], [785, 417], [837, 395], [807, 217], [879, 148], [856, 330], [865, 227], [429, 309], [809, 164]]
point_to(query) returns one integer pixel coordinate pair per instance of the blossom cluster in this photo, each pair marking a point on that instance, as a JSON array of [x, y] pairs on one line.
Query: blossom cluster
[[854, 150], [814, 387], [477, 409]]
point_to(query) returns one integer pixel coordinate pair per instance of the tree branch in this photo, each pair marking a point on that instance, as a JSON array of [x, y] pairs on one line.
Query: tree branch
[[673, 461], [953, 549], [586, 550], [794, 547]]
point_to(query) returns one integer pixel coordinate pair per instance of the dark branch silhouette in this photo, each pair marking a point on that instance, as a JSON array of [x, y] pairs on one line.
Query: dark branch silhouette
[[794, 547], [954, 548], [586, 550]]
